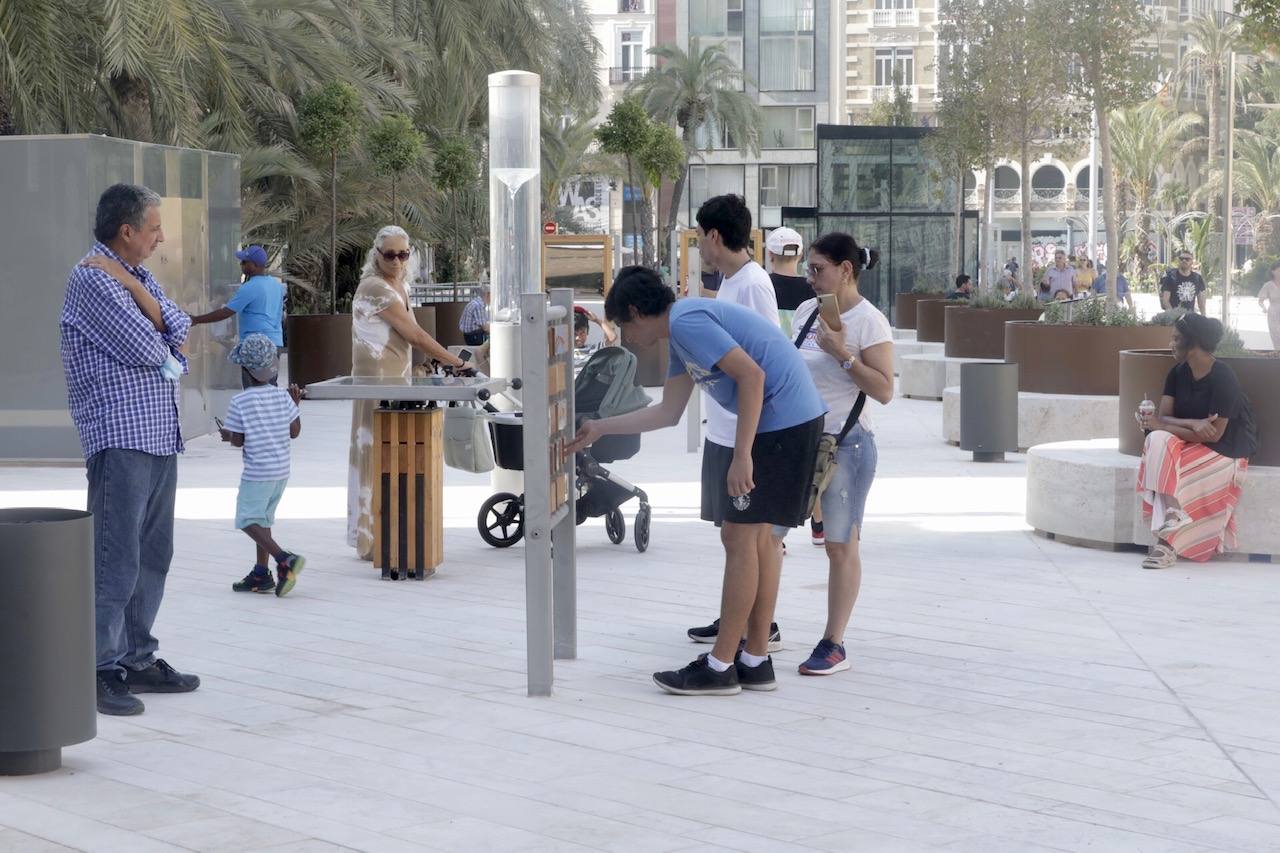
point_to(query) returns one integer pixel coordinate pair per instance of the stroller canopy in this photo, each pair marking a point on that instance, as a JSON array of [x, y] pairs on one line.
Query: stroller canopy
[[607, 385]]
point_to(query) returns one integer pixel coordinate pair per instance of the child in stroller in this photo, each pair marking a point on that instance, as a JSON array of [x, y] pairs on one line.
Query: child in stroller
[[605, 386]]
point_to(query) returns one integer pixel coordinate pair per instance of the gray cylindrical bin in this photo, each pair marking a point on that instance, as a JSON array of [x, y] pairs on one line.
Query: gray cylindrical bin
[[989, 410], [48, 696]]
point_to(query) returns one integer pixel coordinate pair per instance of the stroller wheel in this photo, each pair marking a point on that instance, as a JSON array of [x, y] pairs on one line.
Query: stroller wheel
[[615, 524], [501, 520], [642, 529]]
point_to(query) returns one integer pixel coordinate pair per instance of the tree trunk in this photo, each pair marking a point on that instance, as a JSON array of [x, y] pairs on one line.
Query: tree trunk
[[984, 223], [635, 234], [1109, 218], [673, 212], [958, 243], [333, 231], [1025, 196]]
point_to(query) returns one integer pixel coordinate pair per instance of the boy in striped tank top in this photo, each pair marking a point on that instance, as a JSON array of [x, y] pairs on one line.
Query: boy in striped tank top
[[262, 420]]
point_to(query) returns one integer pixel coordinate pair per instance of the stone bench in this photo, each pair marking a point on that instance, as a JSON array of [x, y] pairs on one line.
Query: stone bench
[[1082, 492], [904, 335], [1044, 418], [925, 376], [904, 348]]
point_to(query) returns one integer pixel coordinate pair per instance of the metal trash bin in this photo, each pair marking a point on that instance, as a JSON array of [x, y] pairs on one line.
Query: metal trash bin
[[48, 695], [989, 410]]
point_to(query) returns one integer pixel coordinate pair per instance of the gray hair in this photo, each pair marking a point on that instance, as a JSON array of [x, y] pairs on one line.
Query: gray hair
[[122, 204], [371, 258]]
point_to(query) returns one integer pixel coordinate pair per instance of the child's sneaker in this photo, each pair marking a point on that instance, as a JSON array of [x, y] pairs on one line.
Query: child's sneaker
[[817, 535], [827, 658], [258, 580], [287, 572]]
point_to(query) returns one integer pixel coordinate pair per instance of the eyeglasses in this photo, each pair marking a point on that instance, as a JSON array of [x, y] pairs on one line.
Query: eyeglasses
[[395, 256]]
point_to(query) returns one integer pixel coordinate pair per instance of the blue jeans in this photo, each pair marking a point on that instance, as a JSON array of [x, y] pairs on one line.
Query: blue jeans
[[845, 499], [131, 496]]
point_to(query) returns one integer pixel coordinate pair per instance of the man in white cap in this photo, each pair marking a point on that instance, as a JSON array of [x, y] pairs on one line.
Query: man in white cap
[[785, 246]]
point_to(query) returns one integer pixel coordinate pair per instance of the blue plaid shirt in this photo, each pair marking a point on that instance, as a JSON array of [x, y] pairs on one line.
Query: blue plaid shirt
[[474, 316], [112, 355]]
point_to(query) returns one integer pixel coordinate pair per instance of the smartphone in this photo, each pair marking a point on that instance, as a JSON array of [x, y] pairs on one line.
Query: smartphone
[[466, 354], [829, 311]]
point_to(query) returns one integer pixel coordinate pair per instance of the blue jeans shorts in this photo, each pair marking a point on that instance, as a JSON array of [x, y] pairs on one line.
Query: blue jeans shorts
[[257, 502], [845, 498]]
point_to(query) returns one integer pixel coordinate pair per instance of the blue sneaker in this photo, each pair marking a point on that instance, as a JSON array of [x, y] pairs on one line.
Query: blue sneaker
[[827, 658]]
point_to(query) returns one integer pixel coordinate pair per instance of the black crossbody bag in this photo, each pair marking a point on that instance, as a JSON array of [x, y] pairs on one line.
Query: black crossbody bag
[[824, 464]]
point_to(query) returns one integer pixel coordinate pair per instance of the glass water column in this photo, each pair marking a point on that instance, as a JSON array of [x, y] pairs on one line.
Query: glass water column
[[515, 199]]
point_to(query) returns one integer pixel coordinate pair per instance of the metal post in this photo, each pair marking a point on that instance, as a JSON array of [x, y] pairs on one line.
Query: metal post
[[538, 607], [1228, 237], [564, 534]]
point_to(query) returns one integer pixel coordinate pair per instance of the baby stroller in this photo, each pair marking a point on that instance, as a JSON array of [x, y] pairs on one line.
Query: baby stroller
[[606, 386]]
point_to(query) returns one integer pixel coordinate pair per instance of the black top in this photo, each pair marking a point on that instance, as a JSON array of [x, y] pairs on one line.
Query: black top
[[1182, 289], [712, 281], [791, 290], [1217, 393], [958, 294]]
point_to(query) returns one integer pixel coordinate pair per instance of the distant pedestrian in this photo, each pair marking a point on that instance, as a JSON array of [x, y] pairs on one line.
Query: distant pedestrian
[[964, 287], [785, 246], [259, 303], [1183, 287], [1269, 301], [1122, 288], [474, 323], [262, 420], [1060, 276]]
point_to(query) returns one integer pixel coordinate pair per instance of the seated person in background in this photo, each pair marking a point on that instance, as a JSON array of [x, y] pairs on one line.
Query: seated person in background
[[582, 320], [1062, 295], [964, 287], [1195, 457]]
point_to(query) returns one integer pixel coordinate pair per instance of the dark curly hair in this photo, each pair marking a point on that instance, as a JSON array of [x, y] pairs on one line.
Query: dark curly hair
[[640, 288], [1200, 331], [728, 216]]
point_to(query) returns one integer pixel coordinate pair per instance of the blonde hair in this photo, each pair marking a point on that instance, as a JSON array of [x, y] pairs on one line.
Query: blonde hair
[[409, 271]]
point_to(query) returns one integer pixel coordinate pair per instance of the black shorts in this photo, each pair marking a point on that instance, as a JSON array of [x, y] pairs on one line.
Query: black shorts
[[782, 463]]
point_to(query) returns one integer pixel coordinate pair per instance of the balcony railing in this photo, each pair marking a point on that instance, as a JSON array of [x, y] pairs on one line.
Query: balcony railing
[[620, 76], [886, 93], [895, 17], [1049, 195], [1008, 196]]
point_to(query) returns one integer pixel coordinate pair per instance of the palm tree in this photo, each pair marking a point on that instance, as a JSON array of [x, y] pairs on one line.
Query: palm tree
[[1145, 139], [698, 93], [1212, 42], [1256, 174], [568, 150]]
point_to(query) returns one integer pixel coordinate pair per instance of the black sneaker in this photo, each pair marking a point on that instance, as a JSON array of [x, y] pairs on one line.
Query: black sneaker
[[159, 678], [114, 698], [699, 679], [709, 634], [287, 573], [756, 677], [255, 581]]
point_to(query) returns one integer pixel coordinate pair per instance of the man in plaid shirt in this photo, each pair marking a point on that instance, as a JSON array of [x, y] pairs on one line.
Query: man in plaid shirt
[[121, 340], [474, 322]]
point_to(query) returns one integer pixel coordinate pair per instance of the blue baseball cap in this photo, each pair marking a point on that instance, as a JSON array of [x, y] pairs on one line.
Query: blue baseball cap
[[257, 254]]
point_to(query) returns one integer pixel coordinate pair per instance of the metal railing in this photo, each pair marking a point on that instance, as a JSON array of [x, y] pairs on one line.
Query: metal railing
[[429, 294], [619, 75], [886, 93]]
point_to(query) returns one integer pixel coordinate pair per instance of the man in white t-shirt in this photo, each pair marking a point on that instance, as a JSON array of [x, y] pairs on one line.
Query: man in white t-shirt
[[724, 231]]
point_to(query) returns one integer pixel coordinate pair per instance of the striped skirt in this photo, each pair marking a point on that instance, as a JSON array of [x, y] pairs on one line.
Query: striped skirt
[[1190, 493]]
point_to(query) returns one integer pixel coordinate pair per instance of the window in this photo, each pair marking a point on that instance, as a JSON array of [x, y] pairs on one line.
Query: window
[[786, 45], [895, 60], [787, 127], [787, 186], [895, 4], [715, 18], [710, 136], [787, 16], [631, 55], [708, 181]]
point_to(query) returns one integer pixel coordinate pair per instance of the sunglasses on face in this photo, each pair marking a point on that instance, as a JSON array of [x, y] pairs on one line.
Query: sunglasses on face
[[394, 256]]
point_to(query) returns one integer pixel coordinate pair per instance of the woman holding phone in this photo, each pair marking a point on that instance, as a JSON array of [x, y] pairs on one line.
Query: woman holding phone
[[848, 350]]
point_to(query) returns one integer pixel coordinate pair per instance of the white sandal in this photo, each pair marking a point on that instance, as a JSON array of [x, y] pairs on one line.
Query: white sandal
[[1161, 556]]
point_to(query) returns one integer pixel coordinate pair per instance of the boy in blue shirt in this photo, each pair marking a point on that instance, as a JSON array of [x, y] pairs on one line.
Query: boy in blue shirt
[[259, 302], [262, 420], [749, 367]]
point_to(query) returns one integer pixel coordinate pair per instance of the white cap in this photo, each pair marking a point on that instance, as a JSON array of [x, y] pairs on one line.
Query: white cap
[[784, 242]]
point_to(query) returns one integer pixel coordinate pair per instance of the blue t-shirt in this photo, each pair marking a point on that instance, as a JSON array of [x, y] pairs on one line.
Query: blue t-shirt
[[703, 331], [1100, 284], [260, 304]]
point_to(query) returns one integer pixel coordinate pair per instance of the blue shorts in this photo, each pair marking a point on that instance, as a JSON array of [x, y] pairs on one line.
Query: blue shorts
[[257, 502], [845, 498]]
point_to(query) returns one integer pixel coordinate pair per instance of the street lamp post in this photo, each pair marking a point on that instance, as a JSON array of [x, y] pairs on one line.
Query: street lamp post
[[1228, 237]]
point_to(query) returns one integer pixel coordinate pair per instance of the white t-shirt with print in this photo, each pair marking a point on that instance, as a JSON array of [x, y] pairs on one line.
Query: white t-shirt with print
[[864, 327], [751, 288]]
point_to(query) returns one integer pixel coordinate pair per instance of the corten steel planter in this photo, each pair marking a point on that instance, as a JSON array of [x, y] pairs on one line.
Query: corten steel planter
[[319, 347], [1143, 372], [47, 689], [448, 315], [904, 307], [979, 332], [1060, 359], [931, 316]]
